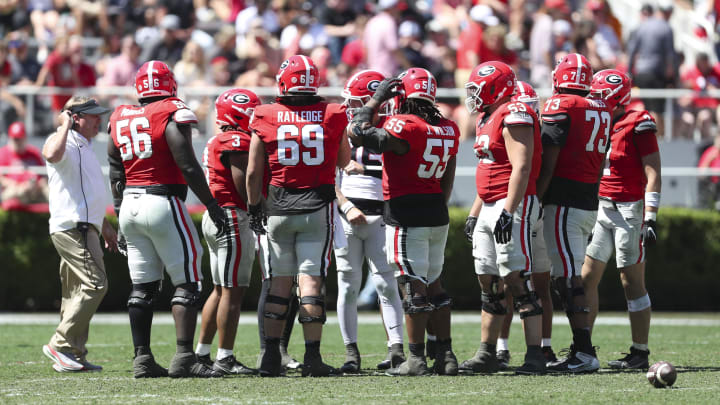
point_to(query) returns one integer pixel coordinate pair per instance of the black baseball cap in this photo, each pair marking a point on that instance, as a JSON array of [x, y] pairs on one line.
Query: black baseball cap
[[89, 107]]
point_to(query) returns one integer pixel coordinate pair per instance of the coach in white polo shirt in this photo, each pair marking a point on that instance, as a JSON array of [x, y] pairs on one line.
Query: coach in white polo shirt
[[78, 197]]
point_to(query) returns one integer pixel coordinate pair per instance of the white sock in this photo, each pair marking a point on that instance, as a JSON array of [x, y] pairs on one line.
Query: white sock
[[545, 342], [202, 349], [502, 344], [348, 288], [640, 346], [222, 353], [391, 304]]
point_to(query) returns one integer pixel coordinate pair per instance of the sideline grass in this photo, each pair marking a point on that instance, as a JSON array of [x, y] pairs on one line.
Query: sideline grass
[[26, 375]]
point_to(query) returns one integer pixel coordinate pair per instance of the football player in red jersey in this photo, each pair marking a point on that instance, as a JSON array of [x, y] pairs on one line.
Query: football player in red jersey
[[152, 163], [419, 147], [232, 254], [629, 199], [575, 136], [359, 193], [507, 142], [302, 138]]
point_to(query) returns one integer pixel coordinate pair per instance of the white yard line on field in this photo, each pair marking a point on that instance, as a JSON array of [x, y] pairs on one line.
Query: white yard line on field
[[248, 318]]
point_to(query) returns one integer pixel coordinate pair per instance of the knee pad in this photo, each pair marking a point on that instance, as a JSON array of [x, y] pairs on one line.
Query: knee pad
[[639, 304], [441, 300], [187, 295], [313, 300], [570, 307], [493, 303], [411, 303], [528, 299], [142, 295], [278, 300]]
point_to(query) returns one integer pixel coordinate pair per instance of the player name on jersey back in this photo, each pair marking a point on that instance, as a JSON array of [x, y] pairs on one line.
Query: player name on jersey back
[[299, 116]]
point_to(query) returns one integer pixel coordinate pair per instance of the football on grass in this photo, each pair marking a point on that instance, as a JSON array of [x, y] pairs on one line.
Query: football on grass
[[662, 374]]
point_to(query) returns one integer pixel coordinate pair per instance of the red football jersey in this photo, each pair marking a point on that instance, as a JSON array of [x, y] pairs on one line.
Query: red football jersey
[[301, 142], [139, 133], [493, 171], [633, 137], [420, 170], [219, 177], [587, 139]]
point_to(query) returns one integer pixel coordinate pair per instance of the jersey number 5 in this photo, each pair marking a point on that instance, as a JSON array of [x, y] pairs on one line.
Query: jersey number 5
[[139, 142], [435, 163], [599, 119]]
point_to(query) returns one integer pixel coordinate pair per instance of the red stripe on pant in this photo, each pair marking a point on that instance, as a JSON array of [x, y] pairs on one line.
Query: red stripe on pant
[[238, 243], [558, 239], [396, 251], [181, 214], [522, 233]]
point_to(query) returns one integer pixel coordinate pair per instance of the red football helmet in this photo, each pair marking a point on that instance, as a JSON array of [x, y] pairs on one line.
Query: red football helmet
[[155, 79], [611, 86], [488, 83], [235, 108], [298, 74], [525, 93], [362, 85], [418, 83], [572, 72]]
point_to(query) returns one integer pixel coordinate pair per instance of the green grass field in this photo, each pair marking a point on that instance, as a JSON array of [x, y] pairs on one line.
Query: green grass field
[[26, 375]]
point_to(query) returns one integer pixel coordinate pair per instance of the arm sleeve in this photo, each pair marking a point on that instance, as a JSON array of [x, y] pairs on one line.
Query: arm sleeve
[[554, 131]]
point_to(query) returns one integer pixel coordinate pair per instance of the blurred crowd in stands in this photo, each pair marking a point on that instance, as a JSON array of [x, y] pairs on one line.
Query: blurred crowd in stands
[[85, 43]]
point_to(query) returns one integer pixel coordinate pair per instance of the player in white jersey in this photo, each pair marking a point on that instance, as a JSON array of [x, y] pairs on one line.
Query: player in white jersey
[[359, 194]]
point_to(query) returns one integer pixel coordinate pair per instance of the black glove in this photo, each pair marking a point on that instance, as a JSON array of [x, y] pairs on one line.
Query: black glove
[[503, 227], [258, 220], [122, 244], [362, 115], [217, 215], [387, 89], [650, 232], [470, 228]]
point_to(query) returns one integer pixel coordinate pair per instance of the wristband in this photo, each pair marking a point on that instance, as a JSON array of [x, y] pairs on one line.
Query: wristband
[[346, 207], [652, 199], [651, 216]]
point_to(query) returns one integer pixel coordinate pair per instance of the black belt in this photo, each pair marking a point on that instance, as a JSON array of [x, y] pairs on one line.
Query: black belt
[[166, 190], [614, 204]]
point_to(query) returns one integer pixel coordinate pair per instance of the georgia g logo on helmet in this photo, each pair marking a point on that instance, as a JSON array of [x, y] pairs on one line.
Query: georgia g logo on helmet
[[240, 98], [613, 79], [486, 71], [373, 85]]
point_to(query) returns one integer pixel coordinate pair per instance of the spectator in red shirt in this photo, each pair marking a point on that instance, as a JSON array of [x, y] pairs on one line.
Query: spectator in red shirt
[[64, 67], [21, 186], [701, 109], [470, 42], [709, 187]]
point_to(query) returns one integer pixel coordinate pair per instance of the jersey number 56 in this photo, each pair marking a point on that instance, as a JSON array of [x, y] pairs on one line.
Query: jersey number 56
[[138, 142]]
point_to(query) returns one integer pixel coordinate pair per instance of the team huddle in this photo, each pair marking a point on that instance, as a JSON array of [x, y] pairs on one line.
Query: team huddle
[[300, 179]]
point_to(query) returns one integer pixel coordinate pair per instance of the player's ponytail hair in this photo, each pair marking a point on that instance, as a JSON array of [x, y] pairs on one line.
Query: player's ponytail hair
[[423, 109]]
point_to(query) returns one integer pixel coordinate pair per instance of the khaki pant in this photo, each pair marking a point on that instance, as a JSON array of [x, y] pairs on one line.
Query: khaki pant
[[84, 284]]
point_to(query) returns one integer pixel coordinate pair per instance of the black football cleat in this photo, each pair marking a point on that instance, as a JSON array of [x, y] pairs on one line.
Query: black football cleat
[[186, 365], [313, 366], [270, 363], [549, 355], [144, 366], [483, 362], [503, 358], [534, 363], [445, 362], [635, 360], [205, 359], [352, 359], [413, 366], [394, 358], [576, 362], [230, 366]]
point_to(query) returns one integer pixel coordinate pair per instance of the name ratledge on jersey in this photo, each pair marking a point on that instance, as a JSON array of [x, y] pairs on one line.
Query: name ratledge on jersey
[[632, 138], [420, 170], [138, 131], [217, 166], [586, 140], [493, 171], [301, 142]]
